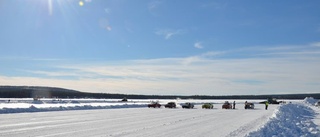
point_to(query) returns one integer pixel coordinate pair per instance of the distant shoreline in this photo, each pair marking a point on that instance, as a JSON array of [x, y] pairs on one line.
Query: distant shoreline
[[54, 92]]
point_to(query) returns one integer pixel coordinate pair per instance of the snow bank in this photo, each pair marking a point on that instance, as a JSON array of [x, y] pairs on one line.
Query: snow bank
[[310, 100], [74, 102], [38, 102], [38, 107], [289, 120]]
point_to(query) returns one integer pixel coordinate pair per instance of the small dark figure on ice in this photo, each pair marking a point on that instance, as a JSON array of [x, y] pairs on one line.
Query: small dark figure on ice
[[234, 104], [267, 104]]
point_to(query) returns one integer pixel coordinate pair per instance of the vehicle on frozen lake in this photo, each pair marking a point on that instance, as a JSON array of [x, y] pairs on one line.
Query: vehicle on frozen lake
[[170, 105], [207, 106], [187, 105], [272, 101], [248, 106], [154, 105], [318, 104], [227, 105]]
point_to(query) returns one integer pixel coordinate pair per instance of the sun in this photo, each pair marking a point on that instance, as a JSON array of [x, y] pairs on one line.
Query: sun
[[81, 3], [50, 4]]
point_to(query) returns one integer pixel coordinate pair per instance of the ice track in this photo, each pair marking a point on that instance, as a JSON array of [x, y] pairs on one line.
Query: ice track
[[136, 122]]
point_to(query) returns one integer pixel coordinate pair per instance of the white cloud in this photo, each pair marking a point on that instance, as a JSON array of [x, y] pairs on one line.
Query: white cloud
[[212, 53], [316, 44], [168, 33], [295, 53], [200, 74], [53, 73], [203, 76], [198, 45], [50, 8], [200, 58], [285, 48]]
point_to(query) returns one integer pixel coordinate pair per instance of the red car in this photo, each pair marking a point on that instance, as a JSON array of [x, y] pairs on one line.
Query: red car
[[154, 105], [227, 105]]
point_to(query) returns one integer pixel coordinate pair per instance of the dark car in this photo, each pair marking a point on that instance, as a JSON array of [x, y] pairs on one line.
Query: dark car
[[187, 105], [248, 106], [124, 100], [170, 105], [271, 101], [154, 105], [227, 105]]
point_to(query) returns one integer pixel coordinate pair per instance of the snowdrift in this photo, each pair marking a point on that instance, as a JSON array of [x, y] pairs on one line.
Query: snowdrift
[[35, 107], [310, 100], [289, 120]]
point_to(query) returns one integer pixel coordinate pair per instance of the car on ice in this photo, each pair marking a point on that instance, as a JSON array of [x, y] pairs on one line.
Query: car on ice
[[187, 105], [170, 105], [207, 106], [227, 105], [272, 101], [154, 105], [317, 104], [248, 106]]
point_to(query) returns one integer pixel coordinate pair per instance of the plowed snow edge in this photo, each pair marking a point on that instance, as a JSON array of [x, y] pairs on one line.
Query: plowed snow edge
[[294, 120]]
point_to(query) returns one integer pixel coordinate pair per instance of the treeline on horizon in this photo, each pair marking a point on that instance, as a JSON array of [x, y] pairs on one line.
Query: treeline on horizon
[[53, 92]]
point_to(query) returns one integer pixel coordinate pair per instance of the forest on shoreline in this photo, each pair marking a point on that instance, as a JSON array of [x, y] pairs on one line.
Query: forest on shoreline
[[54, 92]]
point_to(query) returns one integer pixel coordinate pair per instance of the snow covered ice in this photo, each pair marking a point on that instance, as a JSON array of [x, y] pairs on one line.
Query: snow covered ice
[[290, 120], [133, 119]]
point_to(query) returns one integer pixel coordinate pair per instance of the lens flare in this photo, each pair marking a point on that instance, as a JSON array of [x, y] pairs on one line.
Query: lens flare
[[50, 7], [81, 3]]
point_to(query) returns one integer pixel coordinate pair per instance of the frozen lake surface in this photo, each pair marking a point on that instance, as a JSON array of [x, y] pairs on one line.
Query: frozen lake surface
[[140, 121]]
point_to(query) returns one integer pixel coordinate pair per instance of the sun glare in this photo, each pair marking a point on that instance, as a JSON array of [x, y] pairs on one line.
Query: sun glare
[[50, 7], [81, 3], [50, 4]]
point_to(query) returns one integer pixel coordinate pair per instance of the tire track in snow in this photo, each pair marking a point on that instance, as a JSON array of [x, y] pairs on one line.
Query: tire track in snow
[[140, 122], [137, 115], [54, 123], [158, 125], [251, 126]]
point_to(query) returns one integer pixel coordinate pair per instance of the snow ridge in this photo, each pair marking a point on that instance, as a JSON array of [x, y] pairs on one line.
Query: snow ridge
[[33, 108], [289, 120], [310, 100], [242, 131]]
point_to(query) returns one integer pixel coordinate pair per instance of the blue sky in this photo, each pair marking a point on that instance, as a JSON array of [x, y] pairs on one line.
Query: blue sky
[[166, 47]]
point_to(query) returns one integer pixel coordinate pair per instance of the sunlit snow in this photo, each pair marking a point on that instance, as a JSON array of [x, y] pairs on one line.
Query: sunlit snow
[[98, 117]]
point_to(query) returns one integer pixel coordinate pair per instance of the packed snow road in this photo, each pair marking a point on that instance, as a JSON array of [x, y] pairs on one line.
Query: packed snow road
[[137, 122]]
